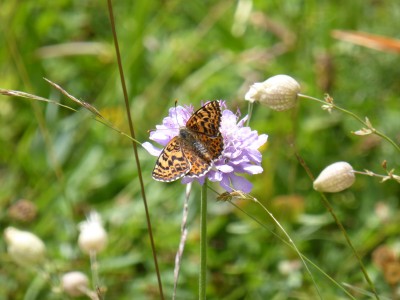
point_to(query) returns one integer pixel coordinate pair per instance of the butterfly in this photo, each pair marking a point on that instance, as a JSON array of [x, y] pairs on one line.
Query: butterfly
[[193, 151]]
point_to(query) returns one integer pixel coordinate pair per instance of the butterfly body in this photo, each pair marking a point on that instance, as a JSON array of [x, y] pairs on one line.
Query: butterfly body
[[192, 140], [194, 150]]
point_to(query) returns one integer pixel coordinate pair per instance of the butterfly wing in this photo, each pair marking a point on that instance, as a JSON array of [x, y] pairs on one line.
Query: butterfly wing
[[201, 164], [206, 120], [172, 163], [204, 125]]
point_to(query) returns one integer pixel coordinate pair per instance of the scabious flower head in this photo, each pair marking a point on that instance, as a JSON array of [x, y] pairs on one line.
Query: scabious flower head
[[278, 92], [241, 144], [93, 237]]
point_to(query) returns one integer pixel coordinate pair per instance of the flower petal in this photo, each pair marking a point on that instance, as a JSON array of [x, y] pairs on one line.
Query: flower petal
[[240, 153], [225, 184], [214, 176], [241, 183], [262, 139], [253, 169], [151, 149], [225, 168]]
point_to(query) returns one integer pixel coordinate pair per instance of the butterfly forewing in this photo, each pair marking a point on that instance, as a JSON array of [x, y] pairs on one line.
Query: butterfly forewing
[[172, 163], [206, 119]]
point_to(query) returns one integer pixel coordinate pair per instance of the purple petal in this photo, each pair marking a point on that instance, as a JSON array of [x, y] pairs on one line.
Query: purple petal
[[253, 169], [214, 176], [241, 183], [151, 149], [225, 184], [225, 168], [262, 139], [254, 155], [201, 180], [186, 180], [242, 121]]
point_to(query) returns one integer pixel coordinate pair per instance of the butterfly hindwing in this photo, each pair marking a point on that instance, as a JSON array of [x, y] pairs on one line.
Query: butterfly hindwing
[[202, 163], [214, 145], [199, 165]]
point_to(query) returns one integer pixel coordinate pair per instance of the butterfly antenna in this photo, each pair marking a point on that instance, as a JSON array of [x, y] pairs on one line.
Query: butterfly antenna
[[176, 113]]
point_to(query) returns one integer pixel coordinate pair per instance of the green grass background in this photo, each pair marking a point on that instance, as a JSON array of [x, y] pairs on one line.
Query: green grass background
[[68, 164]]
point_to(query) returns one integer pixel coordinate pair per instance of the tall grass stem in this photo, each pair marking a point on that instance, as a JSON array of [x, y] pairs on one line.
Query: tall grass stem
[[132, 132]]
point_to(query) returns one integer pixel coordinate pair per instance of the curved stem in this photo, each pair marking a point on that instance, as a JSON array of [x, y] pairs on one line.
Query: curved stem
[[377, 132], [291, 244]]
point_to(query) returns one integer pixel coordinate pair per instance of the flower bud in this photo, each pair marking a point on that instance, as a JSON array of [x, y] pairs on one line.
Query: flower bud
[[392, 273], [278, 92], [75, 283], [335, 178], [23, 211], [383, 256], [25, 248], [93, 237], [287, 267]]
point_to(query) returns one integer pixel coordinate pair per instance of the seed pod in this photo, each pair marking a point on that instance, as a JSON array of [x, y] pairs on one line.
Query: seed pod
[[74, 283], [25, 248], [278, 92], [93, 237], [335, 178]]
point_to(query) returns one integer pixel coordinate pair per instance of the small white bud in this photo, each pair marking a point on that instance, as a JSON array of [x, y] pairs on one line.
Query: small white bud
[[287, 267], [278, 92], [75, 283], [93, 237], [335, 178], [25, 248]]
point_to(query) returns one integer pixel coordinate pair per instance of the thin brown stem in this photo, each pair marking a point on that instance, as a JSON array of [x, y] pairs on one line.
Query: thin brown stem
[[132, 132]]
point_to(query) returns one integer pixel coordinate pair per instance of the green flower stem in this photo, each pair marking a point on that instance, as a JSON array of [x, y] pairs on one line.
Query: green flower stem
[[203, 242], [377, 132], [249, 113]]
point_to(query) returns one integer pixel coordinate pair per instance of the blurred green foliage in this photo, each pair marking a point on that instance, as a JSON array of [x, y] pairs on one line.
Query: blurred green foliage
[[67, 164]]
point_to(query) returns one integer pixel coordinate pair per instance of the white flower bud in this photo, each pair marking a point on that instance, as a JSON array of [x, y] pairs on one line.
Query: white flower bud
[[75, 283], [25, 248], [93, 237], [287, 267], [278, 92], [335, 178]]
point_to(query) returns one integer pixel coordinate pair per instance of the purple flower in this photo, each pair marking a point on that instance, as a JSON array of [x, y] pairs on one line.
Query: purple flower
[[240, 153]]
